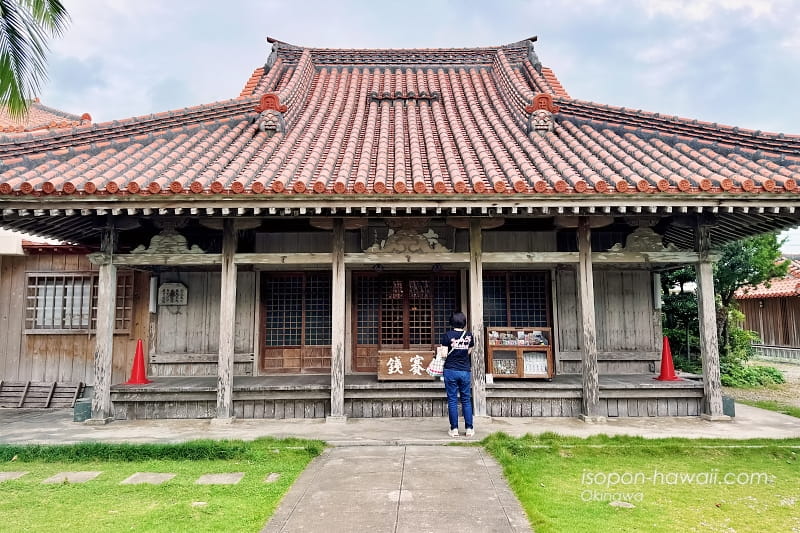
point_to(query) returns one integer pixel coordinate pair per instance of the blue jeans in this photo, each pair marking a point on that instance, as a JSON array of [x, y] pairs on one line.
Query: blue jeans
[[458, 383]]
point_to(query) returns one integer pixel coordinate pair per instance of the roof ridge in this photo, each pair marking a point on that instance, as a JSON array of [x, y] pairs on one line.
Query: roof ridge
[[558, 89], [569, 104], [398, 56], [57, 112], [297, 87], [719, 143], [278, 44], [739, 140]]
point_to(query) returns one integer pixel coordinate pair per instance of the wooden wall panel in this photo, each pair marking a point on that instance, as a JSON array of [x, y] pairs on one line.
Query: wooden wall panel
[[293, 242], [566, 300], [194, 328], [70, 357], [246, 301], [7, 366], [777, 322], [46, 357], [624, 312], [12, 301], [519, 241], [624, 299], [196, 369]]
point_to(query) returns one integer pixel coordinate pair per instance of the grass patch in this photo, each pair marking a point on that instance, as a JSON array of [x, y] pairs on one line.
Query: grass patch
[[565, 484], [177, 505], [772, 405]]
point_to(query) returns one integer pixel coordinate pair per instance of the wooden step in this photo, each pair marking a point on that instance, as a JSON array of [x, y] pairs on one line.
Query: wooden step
[[39, 394]]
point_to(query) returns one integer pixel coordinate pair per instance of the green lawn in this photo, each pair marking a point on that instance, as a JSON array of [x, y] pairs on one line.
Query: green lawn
[[177, 505], [772, 405], [566, 484]]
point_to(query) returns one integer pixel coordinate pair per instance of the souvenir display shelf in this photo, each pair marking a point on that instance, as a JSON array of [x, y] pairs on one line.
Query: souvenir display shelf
[[519, 353]]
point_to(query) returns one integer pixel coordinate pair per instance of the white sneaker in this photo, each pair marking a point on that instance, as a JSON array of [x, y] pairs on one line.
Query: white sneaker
[[470, 432], [453, 432]]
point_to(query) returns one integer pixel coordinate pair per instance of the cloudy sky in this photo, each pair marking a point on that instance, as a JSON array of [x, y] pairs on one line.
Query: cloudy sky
[[735, 62]]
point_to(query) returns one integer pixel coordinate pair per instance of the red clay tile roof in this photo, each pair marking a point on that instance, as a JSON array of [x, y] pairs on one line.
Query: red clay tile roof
[[785, 287], [400, 122], [40, 117]]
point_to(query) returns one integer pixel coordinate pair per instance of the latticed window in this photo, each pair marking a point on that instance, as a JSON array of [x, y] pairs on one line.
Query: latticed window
[[298, 309], [66, 302], [516, 299], [397, 311]]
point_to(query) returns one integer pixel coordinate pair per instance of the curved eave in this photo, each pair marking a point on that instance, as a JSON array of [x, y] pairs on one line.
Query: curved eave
[[81, 219]]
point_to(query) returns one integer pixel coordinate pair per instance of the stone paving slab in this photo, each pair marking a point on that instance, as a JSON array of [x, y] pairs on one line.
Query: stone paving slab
[[72, 477], [436, 452], [9, 476], [364, 465], [230, 478], [468, 496], [359, 469], [342, 521], [437, 520], [148, 478], [272, 477], [363, 453], [470, 480], [339, 480], [432, 464], [323, 502]]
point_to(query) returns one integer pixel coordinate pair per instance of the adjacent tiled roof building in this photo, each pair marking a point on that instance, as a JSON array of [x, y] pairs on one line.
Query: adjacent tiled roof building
[[408, 125], [784, 287], [38, 118]]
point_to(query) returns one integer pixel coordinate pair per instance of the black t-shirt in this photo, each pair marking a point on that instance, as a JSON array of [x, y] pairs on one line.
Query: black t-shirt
[[459, 358]]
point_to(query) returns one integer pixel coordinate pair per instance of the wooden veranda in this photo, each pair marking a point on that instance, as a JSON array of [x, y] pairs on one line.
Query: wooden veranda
[[308, 396]]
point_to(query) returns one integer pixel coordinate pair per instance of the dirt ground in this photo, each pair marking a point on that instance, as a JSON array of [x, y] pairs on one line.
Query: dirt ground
[[787, 393]]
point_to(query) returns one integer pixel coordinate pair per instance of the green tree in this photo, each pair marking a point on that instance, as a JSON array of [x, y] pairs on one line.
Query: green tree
[[680, 317], [748, 262], [744, 263], [25, 26]]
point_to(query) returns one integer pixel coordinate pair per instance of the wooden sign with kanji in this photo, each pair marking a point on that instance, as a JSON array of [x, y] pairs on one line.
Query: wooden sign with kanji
[[404, 364]]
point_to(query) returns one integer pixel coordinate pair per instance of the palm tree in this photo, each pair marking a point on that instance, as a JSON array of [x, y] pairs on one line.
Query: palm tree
[[25, 26]]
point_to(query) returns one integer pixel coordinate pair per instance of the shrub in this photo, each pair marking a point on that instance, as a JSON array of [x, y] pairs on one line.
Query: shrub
[[691, 365], [751, 376]]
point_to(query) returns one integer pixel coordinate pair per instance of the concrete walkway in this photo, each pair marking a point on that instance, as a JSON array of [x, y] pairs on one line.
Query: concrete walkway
[[29, 426], [400, 489]]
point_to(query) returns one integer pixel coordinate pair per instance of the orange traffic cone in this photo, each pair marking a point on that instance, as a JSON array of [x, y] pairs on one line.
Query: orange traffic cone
[[667, 368], [138, 376]]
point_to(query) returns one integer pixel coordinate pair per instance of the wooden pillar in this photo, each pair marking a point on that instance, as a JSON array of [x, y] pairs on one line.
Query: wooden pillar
[[476, 316], [227, 322], [590, 397], [102, 410], [152, 323], [658, 304], [709, 345], [338, 313]]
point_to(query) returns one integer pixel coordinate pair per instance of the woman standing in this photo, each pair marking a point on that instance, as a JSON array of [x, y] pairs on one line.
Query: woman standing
[[457, 373]]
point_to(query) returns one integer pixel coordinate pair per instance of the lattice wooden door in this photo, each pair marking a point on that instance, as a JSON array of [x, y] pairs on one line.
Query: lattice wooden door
[[400, 311]]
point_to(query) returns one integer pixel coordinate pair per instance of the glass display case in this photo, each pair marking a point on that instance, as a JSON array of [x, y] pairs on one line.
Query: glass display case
[[519, 353]]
